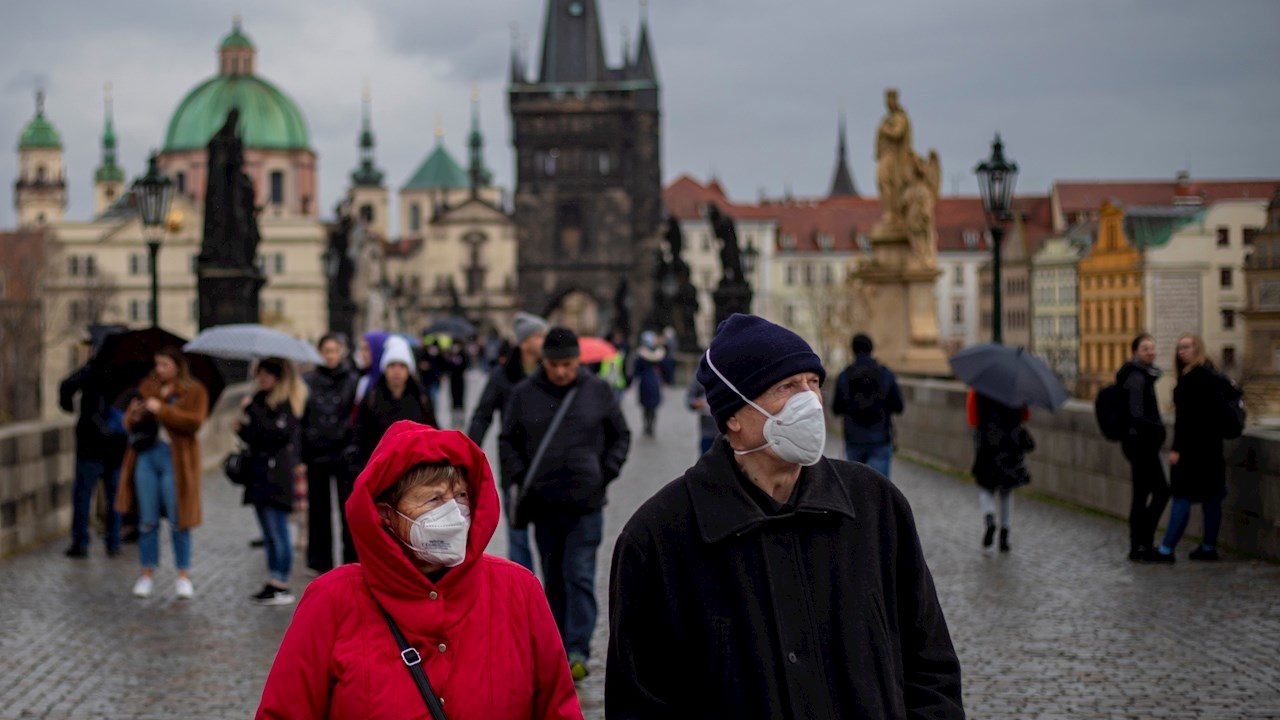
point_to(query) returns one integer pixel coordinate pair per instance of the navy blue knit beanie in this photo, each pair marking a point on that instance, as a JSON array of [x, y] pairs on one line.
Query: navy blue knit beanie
[[753, 354]]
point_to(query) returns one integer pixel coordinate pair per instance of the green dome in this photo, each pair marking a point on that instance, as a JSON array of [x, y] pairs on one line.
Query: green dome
[[236, 39], [439, 170], [269, 120], [40, 133]]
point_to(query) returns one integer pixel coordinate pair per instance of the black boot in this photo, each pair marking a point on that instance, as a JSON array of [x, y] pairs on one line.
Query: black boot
[[1139, 553], [990, 533], [1004, 539]]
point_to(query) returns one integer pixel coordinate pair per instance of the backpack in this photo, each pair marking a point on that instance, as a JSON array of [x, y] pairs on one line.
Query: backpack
[[1233, 413], [1111, 408], [866, 394]]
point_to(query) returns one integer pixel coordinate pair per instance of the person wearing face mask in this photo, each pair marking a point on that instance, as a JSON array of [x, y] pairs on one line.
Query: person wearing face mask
[[395, 395], [421, 515], [770, 581]]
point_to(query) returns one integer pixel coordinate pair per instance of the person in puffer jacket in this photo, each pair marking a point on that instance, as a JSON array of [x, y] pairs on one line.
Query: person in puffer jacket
[[421, 515]]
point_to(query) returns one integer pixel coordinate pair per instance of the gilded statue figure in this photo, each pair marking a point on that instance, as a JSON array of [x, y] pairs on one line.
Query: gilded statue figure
[[895, 162]]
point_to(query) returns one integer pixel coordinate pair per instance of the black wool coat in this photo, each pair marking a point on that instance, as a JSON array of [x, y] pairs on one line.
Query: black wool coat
[[494, 397], [273, 437], [326, 424], [1002, 443], [826, 610], [380, 409], [1201, 471]]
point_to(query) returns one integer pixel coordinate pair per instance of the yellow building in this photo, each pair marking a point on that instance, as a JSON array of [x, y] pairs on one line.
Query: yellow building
[[1111, 304]]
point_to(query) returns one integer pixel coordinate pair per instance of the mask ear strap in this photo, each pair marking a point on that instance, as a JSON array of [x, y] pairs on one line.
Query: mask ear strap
[[737, 392]]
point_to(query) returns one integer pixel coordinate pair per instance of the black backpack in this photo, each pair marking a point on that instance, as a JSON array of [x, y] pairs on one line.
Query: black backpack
[[1233, 413], [1111, 408], [866, 394]]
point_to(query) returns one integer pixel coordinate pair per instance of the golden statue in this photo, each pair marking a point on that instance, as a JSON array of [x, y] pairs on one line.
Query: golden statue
[[895, 163]]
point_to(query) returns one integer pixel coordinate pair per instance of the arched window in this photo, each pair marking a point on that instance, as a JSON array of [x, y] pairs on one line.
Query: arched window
[[41, 173], [415, 217]]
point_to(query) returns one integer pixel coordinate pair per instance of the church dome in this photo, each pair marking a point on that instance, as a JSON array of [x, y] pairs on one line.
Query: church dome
[[40, 133], [269, 120]]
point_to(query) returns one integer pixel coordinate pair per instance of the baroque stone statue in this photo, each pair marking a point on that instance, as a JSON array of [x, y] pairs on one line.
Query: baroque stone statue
[[730, 253], [921, 200], [908, 184], [230, 218]]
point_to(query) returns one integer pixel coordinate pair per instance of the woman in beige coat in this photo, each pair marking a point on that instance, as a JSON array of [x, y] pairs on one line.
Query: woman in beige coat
[[161, 470]]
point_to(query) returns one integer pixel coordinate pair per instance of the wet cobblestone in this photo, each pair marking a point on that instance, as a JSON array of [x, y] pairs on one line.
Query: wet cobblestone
[[1062, 627]]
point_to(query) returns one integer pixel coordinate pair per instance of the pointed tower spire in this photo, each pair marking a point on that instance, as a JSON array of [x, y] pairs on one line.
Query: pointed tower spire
[[842, 182], [368, 174], [475, 143], [572, 48], [108, 171], [644, 68], [517, 63]]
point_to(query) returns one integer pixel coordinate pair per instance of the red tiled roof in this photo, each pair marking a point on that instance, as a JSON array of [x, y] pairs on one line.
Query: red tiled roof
[[685, 198], [1087, 196]]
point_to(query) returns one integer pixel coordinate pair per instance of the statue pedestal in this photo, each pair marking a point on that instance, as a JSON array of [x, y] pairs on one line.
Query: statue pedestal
[[730, 298], [228, 296], [897, 307]]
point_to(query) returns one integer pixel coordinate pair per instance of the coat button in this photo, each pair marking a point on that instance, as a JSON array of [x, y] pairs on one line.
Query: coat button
[[791, 657], [441, 647], [433, 594]]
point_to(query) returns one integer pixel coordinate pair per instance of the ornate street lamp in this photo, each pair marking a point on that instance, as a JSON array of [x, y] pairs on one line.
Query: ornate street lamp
[[153, 193], [996, 177], [749, 256]]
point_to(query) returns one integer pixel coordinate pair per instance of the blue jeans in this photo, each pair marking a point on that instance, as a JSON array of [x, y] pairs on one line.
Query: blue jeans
[[275, 540], [877, 456], [567, 546], [518, 550], [88, 472], [1180, 516], [153, 485]]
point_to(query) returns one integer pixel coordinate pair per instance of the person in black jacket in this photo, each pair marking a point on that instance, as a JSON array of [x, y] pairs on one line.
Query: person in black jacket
[[866, 399], [530, 331], [326, 433], [100, 444], [1197, 462], [271, 430], [770, 581], [395, 396], [563, 496], [1142, 447]]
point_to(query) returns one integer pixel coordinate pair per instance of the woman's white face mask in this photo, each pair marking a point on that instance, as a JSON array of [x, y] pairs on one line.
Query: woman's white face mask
[[439, 536], [797, 434]]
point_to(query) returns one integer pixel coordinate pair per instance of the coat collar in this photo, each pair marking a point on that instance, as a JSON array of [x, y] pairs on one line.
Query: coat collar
[[723, 508]]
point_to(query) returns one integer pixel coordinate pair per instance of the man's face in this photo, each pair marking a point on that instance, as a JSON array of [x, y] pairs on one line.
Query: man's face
[[531, 347], [561, 373], [1147, 352], [332, 352], [746, 427]]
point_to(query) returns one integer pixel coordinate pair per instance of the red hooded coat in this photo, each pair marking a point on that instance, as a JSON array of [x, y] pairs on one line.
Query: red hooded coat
[[488, 642]]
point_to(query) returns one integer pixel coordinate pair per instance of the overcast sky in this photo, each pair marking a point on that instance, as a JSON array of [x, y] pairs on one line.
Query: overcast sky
[[751, 89]]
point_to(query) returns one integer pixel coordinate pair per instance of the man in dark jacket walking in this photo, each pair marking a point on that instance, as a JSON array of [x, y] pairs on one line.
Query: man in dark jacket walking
[[867, 397], [530, 331], [769, 581], [326, 432], [564, 494], [1142, 447], [100, 446]]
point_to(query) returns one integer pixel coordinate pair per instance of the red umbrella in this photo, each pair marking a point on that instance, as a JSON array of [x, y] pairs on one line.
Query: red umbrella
[[595, 349]]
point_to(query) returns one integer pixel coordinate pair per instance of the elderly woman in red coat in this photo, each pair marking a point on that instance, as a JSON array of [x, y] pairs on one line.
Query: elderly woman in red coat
[[421, 515]]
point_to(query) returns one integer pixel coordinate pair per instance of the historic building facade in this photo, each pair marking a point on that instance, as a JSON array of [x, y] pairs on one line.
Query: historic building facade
[[588, 192], [1261, 373], [1022, 239], [1055, 324], [1111, 302]]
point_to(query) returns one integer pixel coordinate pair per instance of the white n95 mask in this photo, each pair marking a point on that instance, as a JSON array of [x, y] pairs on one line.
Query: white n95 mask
[[439, 536], [797, 434]]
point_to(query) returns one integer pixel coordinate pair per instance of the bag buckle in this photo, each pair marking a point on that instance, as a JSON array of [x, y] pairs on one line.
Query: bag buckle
[[410, 657]]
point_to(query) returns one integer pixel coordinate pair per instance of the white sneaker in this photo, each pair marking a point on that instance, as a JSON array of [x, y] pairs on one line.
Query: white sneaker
[[184, 588], [142, 588]]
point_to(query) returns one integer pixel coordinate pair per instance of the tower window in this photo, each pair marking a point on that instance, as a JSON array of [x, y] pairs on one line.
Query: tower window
[[569, 228], [180, 180], [366, 213], [277, 187], [41, 173], [415, 217]]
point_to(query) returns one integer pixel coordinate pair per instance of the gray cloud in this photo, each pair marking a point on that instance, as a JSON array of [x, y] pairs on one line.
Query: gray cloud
[[751, 88]]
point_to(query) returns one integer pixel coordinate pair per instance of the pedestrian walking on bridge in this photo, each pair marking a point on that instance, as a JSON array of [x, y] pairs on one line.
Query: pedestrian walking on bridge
[[770, 581], [1001, 443], [326, 433], [866, 399]]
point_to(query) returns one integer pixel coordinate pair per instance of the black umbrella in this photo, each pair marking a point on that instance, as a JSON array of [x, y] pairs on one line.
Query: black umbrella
[[1011, 376], [453, 326], [125, 359]]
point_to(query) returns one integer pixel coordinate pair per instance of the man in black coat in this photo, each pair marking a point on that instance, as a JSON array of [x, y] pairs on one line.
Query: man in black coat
[[769, 581], [1142, 447], [100, 446], [563, 495], [326, 433], [530, 331]]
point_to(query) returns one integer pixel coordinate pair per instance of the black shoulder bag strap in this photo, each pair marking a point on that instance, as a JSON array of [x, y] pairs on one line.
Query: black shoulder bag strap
[[413, 661], [530, 474]]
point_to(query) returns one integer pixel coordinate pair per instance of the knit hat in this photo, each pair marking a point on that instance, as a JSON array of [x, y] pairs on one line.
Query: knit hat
[[396, 350], [752, 354], [561, 344], [527, 324], [862, 344]]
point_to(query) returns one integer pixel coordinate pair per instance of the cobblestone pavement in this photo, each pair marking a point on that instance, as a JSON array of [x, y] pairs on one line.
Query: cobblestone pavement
[[1063, 627]]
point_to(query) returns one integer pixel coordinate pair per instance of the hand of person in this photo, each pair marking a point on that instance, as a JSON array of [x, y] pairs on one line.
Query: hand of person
[[698, 404], [244, 401], [1173, 457], [153, 405]]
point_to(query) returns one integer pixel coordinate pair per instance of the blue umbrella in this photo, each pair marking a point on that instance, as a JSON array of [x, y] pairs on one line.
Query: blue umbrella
[[1011, 376]]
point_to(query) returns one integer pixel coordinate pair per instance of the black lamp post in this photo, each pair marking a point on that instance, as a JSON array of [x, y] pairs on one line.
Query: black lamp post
[[749, 256], [153, 192], [996, 177]]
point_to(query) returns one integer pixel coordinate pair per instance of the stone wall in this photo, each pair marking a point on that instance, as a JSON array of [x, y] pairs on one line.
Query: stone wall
[[37, 472], [1073, 462]]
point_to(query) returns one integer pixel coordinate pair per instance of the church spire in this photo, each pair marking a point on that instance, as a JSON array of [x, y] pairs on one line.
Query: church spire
[[572, 48], [368, 174], [644, 68], [108, 171], [480, 177], [842, 183]]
